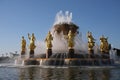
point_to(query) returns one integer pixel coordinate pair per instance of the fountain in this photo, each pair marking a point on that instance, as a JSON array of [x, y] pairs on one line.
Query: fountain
[[65, 47]]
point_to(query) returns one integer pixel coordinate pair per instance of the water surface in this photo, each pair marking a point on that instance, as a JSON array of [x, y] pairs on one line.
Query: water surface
[[64, 73]]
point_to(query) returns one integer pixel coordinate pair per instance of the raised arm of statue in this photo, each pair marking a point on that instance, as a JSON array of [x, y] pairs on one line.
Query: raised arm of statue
[[28, 36], [88, 34], [32, 41], [33, 37]]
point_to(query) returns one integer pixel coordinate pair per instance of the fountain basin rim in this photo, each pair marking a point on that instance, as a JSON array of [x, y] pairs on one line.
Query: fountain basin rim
[[38, 59]]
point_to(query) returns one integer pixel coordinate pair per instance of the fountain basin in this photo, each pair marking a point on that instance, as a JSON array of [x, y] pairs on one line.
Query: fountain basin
[[68, 62]]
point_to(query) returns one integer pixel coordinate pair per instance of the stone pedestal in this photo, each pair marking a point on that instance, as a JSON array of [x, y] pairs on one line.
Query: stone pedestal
[[71, 53], [49, 53], [91, 54], [106, 55], [103, 52], [22, 54], [31, 54]]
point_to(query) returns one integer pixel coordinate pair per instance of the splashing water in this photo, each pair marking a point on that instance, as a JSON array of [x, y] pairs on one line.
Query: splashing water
[[63, 23], [61, 18]]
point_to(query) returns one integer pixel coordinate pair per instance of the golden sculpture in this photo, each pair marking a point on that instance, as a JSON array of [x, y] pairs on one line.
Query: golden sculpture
[[104, 45], [23, 46], [32, 41], [48, 40], [91, 40], [70, 38]]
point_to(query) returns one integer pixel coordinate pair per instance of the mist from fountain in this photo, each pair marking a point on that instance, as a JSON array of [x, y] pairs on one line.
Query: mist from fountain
[[113, 54]]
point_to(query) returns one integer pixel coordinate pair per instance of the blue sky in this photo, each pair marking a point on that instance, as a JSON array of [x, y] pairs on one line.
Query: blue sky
[[20, 17]]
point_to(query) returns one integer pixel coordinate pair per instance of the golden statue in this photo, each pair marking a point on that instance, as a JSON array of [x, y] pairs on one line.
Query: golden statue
[[48, 40], [32, 41], [70, 38], [104, 45], [23, 46], [91, 40]]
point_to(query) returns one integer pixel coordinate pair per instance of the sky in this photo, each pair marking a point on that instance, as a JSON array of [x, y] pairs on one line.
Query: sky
[[20, 17]]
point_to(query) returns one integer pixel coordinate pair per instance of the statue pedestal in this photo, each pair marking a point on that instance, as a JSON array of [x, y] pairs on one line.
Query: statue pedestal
[[22, 54], [91, 54], [71, 53], [103, 52], [31, 54], [105, 55], [49, 53]]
